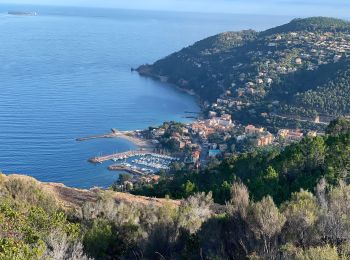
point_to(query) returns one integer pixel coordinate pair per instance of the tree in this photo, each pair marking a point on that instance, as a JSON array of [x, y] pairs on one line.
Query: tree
[[301, 213], [338, 127], [290, 252], [124, 177], [266, 222], [194, 211], [239, 202], [188, 188], [334, 223]]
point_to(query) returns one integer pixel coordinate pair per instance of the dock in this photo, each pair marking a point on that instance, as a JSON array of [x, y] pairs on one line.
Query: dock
[[117, 167], [118, 156], [126, 155], [113, 134], [110, 135]]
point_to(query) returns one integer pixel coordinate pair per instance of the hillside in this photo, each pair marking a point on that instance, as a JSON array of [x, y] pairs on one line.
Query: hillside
[[274, 172], [309, 221], [74, 199], [301, 67]]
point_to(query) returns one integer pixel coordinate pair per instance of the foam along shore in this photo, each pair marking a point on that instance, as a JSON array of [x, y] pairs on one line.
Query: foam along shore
[[131, 136]]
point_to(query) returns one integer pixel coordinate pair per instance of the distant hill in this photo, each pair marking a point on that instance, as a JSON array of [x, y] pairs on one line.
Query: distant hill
[[312, 24], [302, 66]]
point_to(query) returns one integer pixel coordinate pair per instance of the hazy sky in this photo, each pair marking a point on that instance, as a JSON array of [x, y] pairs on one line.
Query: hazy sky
[[286, 7]]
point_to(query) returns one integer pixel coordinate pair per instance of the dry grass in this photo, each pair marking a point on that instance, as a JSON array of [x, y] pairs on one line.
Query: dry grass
[[72, 198]]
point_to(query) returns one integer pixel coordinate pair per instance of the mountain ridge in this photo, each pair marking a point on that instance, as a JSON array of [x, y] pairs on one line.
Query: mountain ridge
[[256, 67]]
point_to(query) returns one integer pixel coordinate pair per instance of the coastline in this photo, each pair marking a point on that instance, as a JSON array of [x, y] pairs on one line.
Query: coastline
[[145, 71], [130, 136]]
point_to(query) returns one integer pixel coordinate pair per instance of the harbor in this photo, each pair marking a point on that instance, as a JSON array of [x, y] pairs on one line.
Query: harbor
[[137, 162], [143, 162], [118, 156]]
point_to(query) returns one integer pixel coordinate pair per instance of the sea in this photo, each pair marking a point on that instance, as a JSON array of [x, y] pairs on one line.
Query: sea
[[66, 73]]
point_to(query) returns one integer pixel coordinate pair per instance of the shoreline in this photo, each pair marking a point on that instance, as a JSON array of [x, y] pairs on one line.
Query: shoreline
[[144, 71], [130, 136]]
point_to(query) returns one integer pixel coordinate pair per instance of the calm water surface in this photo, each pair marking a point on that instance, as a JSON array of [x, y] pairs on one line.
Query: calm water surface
[[66, 74]]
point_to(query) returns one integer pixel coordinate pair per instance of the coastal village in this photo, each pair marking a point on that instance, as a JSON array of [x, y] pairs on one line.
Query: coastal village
[[216, 134], [174, 146]]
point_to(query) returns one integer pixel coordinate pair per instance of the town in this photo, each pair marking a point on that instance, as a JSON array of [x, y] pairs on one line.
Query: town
[[251, 96], [178, 146]]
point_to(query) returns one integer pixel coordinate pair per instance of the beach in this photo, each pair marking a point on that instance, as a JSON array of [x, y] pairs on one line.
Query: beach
[[131, 136]]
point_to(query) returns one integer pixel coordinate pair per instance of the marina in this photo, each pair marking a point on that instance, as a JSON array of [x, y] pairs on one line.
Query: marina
[[125, 155], [157, 163], [137, 162]]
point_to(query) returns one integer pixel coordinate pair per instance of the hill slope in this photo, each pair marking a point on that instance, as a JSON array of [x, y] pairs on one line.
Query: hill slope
[[296, 64], [74, 199], [50, 221]]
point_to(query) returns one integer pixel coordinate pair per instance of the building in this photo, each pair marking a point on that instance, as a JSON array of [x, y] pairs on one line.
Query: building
[[223, 121], [317, 119], [291, 135], [265, 140], [283, 133], [212, 114], [179, 143], [250, 130], [240, 138], [155, 178], [195, 156], [223, 147], [158, 132], [312, 134], [298, 61], [214, 153], [259, 81]]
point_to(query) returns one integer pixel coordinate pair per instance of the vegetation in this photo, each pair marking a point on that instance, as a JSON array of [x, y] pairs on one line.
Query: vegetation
[[307, 226], [312, 24], [273, 204], [268, 172], [32, 226], [302, 68], [293, 204], [325, 91]]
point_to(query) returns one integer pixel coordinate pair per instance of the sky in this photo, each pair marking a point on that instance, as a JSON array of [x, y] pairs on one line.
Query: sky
[[338, 8]]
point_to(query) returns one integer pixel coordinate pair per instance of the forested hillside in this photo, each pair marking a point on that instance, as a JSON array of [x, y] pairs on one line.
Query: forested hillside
[[302, 67]]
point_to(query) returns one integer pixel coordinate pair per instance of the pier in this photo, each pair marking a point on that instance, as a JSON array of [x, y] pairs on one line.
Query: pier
[[116, 156], [110, 135], [118, 167], [126, 155]]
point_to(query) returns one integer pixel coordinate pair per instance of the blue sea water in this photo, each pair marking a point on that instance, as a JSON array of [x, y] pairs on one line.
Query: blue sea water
[[66, 74]]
